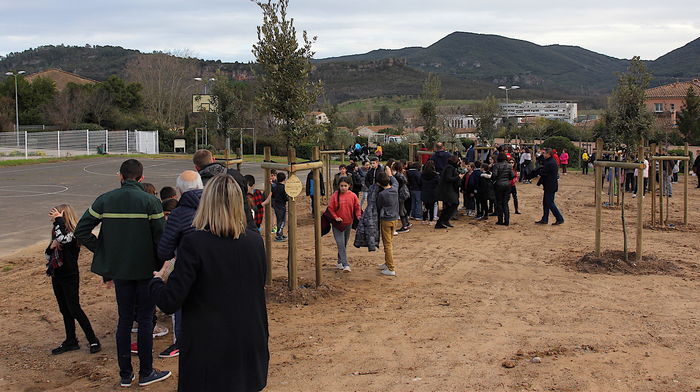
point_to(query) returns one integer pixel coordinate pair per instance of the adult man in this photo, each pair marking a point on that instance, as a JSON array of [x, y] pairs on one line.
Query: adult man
[[440, 156], [696, 166], [550, 183], [207, 167], [471, 154], [189, 185], [132, 222]]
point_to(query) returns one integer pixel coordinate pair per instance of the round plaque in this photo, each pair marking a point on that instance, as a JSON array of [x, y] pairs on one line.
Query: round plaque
[[293, 186]]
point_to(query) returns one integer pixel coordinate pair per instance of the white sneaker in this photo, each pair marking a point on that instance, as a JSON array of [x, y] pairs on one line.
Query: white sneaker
[[396, 233], [382, 266], [339, 266], [388, 272], [346, 268], [159, 331]]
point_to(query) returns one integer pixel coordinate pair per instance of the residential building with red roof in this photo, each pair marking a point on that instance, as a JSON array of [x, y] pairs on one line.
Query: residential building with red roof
[[665, 101]]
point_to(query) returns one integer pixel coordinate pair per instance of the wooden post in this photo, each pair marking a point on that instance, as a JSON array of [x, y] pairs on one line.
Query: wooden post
[[315, 155], [652, 183], [292, 229], [240, 156], [662, 186], [620, 177], [268, 220], [598, 190], [640, 202], [685, 186], [228, 142]]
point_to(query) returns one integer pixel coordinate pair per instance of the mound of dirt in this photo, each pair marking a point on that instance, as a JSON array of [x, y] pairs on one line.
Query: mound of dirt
[[613, 262], [306, 294]]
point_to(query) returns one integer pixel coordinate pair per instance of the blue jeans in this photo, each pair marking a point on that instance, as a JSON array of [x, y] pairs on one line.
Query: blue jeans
[[133, 296], [548, 205], [416, 205]]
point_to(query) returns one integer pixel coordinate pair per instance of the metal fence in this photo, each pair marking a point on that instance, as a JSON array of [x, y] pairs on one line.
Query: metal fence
[[77, 142]]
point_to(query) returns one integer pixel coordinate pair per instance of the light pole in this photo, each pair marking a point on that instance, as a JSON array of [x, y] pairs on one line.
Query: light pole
[[206, 84], [507, 108], [15, 74]]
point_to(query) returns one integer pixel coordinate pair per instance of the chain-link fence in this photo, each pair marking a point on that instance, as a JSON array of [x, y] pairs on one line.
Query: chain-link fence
[[77, 142]]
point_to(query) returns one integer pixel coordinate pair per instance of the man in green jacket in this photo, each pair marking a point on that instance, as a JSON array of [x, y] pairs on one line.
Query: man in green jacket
[[125, 252]]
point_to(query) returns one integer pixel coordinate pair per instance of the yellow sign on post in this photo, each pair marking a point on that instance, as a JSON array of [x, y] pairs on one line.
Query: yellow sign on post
[[293, 186]]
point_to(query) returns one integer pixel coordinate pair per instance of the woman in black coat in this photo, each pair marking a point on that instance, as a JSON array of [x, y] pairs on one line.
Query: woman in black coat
[[219, 281], [430, 179], [501, 176], [449, 192]]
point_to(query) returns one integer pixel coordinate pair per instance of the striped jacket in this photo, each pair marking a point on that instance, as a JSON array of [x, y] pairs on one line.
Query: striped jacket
[[132, 222]]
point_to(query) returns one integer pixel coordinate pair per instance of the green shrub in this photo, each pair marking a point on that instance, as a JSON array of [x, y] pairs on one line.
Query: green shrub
[[395, 151]]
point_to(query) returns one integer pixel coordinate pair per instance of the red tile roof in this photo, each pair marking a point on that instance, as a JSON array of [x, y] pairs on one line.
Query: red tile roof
[[673, 90]]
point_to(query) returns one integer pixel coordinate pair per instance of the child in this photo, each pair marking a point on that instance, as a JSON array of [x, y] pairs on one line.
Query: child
[[168, 206], [62, 256], [468, 197], [388, 213], [279, 204], [344, 207], [483, 192], [343, 173], [167, 192], [149, 188], [473, 189], [256, 200]]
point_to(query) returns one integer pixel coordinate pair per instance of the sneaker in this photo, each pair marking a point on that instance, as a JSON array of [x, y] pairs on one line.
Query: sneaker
[[159, 331], [382, 266], [126, 381], [279, 239], [409, 225], [64, 348], [346, 268], [134, 348], [95, 348], [448, 224], [440, 226], [170, 352], [396, 233], [155, 376], [403, 230], [388, 272]]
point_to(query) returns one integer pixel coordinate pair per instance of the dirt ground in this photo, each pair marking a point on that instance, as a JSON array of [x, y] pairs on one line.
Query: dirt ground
[[469, 309]]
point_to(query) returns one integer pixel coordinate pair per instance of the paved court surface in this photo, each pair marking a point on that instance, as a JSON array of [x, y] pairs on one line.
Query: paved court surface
[[27, 193]]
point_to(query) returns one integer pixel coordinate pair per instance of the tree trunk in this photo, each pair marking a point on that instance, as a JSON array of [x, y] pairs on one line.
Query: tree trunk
[[622, 211]]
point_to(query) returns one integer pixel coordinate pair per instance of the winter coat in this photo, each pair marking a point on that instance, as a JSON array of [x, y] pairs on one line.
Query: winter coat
[[564, 158], [449, 185], [429, 187], [179, 224], [309, 181], [502, 174], [549, 175], [486, 191], [219, 283], [69, 250], [474, 180], [440, 158], [213, 169], [132, 222], [414, 181], [470, 154], [404, 193], [367, 234]]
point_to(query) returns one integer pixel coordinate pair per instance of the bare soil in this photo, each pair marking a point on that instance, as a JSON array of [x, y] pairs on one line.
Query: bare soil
[[469, 309]]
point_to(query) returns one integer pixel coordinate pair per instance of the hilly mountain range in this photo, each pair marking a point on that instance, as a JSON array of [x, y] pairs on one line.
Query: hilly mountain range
[[470, 65]]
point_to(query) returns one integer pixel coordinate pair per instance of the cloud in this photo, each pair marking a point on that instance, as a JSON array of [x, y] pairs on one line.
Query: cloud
[[226, 30]]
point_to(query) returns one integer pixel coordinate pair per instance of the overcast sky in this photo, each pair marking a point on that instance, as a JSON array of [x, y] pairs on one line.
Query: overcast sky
[[226, 29]]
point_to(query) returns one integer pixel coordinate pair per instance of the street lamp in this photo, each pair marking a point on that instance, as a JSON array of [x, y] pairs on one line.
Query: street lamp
[[15, 74], [206, 84], [507, 108]]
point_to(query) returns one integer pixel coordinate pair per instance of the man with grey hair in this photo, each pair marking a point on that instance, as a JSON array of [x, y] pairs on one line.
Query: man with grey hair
[[189, 184], [549, 179]]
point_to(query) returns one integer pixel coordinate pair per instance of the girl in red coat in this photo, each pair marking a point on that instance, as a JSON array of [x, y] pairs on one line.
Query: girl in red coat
[[344, 207]]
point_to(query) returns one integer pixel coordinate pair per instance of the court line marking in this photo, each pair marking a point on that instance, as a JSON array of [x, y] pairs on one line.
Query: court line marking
[[65, 188], [146, 175]]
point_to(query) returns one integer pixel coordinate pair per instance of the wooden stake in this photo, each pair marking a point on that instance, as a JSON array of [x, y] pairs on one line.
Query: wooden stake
[[685, 186], [240, 157], [292, 229], [598, 189], [652, 183], [640, 203], [228, 142], [315, 155], [662, 186], [268, 220]]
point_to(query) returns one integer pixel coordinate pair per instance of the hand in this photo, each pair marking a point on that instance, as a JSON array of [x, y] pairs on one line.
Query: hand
[[53, 214], [54, 244], [338, 219], [164, 273]]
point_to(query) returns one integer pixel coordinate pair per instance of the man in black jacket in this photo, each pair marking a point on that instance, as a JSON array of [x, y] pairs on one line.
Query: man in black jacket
[[374, 170], [440, 156], [550, 183], [207, 167]]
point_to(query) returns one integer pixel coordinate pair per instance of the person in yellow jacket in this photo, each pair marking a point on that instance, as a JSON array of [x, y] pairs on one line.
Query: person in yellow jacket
[[584, 162]]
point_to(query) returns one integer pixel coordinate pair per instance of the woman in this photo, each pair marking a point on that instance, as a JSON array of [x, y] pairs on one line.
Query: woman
[[344, 207], [501, 175], [219, 281], [449, 192], [430, 179]]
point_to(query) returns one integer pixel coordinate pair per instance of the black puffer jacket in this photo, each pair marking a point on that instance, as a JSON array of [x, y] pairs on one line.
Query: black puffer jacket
[[429, 187], [501, 175], [449, 184]]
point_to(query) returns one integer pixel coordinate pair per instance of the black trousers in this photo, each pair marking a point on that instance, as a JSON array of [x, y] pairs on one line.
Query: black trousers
[[514, 194], [584, 167], [448, 210], [502, 199], [133, 295], [429, 213], [482, 207], [68, 297]]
